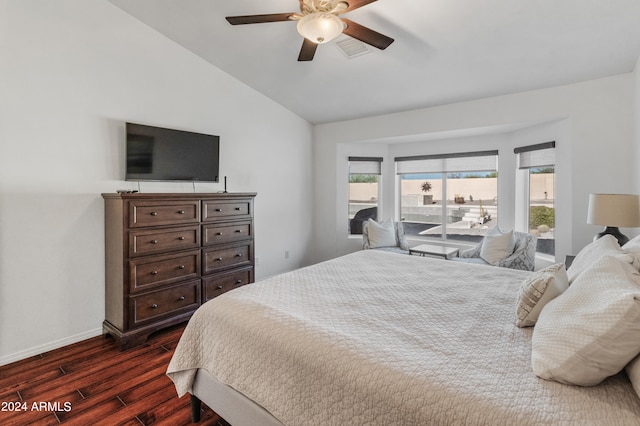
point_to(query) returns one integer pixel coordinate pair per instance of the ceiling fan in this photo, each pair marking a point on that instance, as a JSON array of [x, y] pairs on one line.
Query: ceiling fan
[[318, 23]]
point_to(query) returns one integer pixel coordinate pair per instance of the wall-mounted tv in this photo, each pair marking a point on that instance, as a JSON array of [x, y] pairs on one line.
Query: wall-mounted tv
[[156, 153]]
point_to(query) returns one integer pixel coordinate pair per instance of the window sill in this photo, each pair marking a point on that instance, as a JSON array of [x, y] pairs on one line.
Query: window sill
[[544, 260]]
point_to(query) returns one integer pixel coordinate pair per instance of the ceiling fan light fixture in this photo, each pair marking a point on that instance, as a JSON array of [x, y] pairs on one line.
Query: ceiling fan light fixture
[[320, 27]]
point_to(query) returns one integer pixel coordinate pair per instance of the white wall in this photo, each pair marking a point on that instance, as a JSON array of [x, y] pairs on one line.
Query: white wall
[[637, 126], [72, 72], [592, 121]]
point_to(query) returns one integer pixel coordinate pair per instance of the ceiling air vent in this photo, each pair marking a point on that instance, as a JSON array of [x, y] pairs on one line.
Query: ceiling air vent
[[352, 48]]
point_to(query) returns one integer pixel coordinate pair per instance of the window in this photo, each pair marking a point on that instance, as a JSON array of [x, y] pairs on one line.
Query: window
[[450, 196], [364, 190], [538, 163]]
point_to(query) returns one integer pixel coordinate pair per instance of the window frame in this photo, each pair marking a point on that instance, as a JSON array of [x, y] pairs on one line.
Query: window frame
[[528, 158], [445, 164], [366, 166]]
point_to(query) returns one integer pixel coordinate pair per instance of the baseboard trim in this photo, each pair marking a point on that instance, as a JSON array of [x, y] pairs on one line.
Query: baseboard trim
[[37, 350]]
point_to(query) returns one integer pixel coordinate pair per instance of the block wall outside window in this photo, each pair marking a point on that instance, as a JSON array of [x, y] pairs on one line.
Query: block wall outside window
[[458, 206]]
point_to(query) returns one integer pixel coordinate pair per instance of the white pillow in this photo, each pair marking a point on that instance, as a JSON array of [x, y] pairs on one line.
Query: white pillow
[[592, 330], [633, 244], [605, 246], [382, 234], [633, 371], [539, 289], [497, 245], [633, 248]]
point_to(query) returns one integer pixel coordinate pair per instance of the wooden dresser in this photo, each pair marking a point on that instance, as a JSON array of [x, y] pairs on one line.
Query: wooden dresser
[[166, 254]]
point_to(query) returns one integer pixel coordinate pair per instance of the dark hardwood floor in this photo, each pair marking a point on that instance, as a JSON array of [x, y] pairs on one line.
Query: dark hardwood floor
[[93, 383]]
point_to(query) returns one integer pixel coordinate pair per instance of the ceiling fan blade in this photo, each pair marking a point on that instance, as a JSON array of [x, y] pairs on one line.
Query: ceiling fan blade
[[259, 19], [354, 4], [366, 35], [307, 51]]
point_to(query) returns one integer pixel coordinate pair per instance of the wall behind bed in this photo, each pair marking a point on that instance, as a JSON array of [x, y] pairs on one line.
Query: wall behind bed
[[72, 73], [594, 120], [637, 125]]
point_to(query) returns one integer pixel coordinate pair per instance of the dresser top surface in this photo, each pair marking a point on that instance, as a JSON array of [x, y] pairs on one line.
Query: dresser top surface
[[177, 195]]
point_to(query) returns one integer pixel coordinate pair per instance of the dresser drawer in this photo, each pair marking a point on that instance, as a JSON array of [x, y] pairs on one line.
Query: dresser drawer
[[220, 234], [217, 210], [157, 213], [217, 259], [150, 272], [163, 240], [217, 284], [165, 302]]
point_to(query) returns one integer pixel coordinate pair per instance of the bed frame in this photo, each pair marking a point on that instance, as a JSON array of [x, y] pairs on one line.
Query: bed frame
[[228, 403]]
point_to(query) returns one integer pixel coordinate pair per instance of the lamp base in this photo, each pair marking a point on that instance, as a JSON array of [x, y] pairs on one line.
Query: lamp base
[[613, 230]]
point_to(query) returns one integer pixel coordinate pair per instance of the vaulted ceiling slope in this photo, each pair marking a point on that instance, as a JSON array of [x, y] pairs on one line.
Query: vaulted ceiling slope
[[445, 51]]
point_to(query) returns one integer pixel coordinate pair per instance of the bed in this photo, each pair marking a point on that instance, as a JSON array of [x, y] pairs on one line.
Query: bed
[[378, 338]]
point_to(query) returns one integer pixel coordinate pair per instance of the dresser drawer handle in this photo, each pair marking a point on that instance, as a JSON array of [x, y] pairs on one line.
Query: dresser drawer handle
[[154, 241], [181, 238], [238, 281], [180, 211], [218, 210], [218, 233], [154, 213], [238, 254], [154, 306], [219, 287], [181, 267], [238, 231], [219, 259], [154, 272], [237, 209], [181, 298]]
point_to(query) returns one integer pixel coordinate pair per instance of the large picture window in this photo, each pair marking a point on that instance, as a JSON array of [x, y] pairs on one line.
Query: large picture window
[[538, 162], [364, 191], [449, 196]]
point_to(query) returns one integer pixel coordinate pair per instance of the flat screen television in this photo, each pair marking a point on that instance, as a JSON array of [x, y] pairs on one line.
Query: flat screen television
[[159, 154]]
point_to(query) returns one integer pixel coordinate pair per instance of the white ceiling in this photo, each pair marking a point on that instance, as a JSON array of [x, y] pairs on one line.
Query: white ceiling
[[445, 51]]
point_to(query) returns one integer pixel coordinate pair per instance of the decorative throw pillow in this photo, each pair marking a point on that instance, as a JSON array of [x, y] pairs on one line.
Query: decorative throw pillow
[[382, 234], [592, 330], [496, 246], [538, 290], [633, 371], [402, 240], [605, 246]]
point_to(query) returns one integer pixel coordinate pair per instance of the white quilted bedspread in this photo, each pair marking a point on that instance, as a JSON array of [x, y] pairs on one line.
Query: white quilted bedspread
[[376, 338]]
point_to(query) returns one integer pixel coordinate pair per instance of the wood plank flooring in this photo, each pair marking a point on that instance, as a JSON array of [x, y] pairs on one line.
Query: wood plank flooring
[[93, 383]]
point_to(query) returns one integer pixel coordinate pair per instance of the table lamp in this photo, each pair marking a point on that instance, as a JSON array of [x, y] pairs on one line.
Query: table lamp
[[613, 211]]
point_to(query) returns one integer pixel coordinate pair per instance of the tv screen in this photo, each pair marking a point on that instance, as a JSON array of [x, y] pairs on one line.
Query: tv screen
[[155, 153]]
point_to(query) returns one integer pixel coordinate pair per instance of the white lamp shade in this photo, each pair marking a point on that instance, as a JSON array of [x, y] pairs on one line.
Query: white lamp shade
[[620, 210], [320, 27]]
